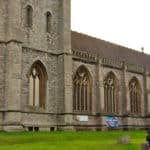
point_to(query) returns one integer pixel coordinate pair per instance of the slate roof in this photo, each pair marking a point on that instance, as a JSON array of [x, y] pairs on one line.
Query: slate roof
[[85, 43]]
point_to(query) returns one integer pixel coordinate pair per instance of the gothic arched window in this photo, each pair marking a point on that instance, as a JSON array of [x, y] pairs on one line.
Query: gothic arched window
[[37, 85], [48, 22], [29, 16], [135, 95], [110, 93], [82, 90]]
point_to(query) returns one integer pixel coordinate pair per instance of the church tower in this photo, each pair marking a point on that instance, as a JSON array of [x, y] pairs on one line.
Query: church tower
[[35, 64]]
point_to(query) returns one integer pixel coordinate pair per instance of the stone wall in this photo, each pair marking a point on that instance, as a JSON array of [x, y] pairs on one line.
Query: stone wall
[[22, 47], [50, 62], [2, 78], [13, 68], [98, 72], [2, 18], [129, 76], [92, 68], [36, 36], [57, 106]]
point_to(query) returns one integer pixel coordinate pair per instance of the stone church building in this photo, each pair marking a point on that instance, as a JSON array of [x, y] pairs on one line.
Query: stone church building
[[52, 78]]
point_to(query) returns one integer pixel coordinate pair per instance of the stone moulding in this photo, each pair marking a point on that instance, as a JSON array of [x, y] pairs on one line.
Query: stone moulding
[[9, 41], [108, 62], [29, 49]]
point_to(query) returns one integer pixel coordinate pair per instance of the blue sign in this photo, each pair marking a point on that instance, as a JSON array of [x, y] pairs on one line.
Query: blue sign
[[112, 122]]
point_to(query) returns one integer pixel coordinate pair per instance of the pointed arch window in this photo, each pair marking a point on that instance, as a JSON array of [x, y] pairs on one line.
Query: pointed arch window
[[37, 85], [29, 16], [48, 21], [82, 90], [110, 93], [135, 95]]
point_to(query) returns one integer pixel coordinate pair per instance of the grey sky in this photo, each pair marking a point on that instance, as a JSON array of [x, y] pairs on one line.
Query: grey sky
[[125, 22]]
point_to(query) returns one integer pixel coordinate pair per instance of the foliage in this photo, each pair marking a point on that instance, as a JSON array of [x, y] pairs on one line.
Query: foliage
[[102, 140]]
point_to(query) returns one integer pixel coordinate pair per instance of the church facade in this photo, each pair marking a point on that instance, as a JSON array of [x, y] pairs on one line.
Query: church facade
[[52, 78]]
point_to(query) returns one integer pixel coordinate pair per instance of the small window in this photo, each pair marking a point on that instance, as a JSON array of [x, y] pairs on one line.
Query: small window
[[29, 16], [48, 22]]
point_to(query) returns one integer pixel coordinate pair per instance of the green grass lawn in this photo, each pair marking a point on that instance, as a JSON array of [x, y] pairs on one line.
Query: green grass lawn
[[103, 140]]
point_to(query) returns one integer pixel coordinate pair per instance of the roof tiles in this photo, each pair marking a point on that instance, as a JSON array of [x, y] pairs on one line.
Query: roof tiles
[[85, 43]]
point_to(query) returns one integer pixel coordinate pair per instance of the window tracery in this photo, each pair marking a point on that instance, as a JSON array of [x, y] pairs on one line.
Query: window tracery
[[37, 85], [82, 90], [135, 95], [110, 93]]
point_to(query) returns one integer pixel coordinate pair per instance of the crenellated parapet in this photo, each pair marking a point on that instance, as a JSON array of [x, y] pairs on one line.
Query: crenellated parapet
[[109, 62], [85, 56], [135, 68], [112, 63]]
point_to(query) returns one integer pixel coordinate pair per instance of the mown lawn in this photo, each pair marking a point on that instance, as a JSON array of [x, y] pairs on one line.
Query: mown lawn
[[70, 140]]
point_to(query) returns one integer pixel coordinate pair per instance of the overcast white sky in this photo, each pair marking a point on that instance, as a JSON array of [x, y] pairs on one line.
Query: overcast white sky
[[125, 22]]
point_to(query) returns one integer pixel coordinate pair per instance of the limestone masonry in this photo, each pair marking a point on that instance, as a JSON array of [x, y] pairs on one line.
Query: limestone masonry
[[52, 78]]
